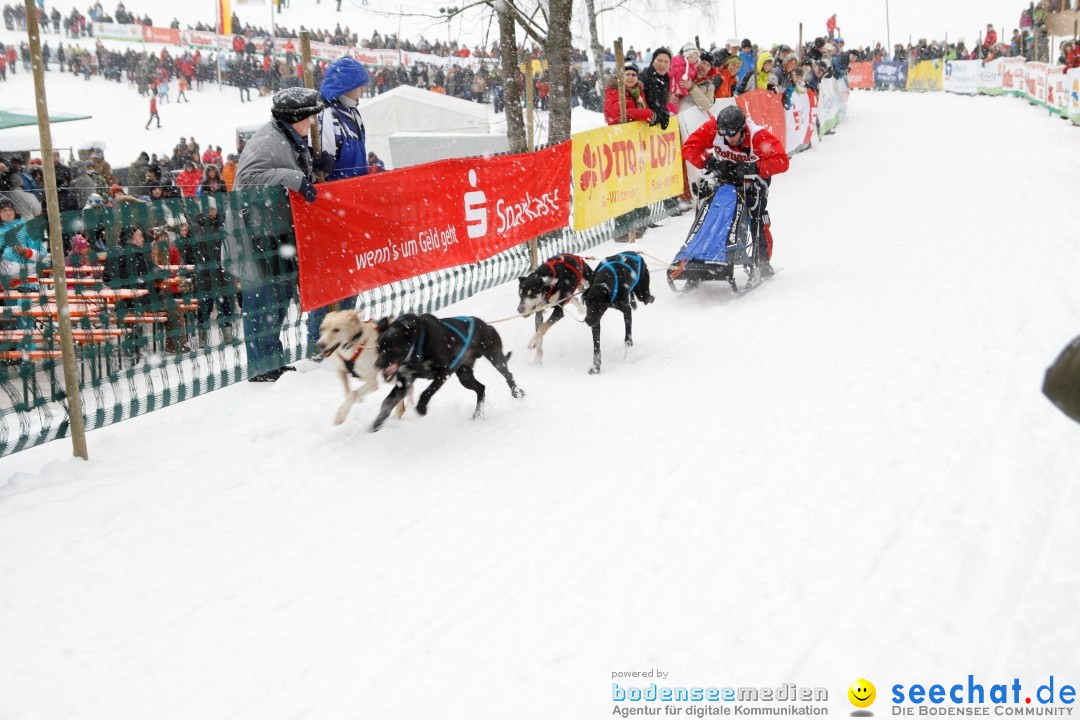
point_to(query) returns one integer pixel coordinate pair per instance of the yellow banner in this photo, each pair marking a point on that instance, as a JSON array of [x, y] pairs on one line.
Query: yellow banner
[[623, 167], [926, 75], [225, 20]]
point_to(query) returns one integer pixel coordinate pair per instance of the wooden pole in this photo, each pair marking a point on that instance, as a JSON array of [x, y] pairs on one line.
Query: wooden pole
[[309, 82], [530, 142], [620, 76], [56, 240], [530, 145], [799, 53]]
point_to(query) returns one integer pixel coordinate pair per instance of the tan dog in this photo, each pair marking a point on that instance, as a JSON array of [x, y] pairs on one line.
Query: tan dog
[[352, 343]]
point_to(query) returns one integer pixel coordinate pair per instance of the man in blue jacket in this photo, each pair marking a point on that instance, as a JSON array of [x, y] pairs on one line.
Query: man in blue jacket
[[341, 135]]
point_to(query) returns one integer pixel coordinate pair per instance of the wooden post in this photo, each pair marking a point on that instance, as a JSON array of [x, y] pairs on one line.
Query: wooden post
[[56, 240], [530, 142], [620, 77], [530, 145], [309, 82], [799, 53]]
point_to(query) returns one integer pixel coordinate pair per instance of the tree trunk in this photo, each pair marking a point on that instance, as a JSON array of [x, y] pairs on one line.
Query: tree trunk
[[594, 37], [515, 121], [559, 78]]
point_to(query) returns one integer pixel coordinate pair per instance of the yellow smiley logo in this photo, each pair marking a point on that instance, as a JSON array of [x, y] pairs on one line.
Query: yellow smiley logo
[[862, 693]]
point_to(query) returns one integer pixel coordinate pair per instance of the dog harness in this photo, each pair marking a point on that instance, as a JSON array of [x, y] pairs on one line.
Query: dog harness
[[578, 270], [621, 260], [350, 361], [466, 338]]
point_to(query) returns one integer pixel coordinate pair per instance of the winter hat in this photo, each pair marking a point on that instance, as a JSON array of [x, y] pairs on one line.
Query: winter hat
[[116, 190], [294, 104], [5, 201], [79, 245], [344, 74], [689, 48], [709, 58], [661, 51], [746, 44], [94, 200], [631, 66], [733, 60], [211, 203]]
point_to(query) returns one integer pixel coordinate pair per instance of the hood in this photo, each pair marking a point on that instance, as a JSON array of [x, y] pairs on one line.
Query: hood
[[762, 59], [343, 75]]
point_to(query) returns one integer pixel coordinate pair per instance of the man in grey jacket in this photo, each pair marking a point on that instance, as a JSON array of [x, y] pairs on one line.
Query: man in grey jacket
[[82, 185], [278, 154]]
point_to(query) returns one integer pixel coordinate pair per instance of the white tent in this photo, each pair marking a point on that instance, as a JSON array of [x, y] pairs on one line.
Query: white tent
[[410, 109]]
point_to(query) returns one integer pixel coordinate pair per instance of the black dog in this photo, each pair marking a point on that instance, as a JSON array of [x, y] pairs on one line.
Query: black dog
[[556, 282], [425, 346], [616, 282]]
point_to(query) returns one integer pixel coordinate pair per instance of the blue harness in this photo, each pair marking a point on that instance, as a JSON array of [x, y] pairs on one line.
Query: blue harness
[[621, 260], [466, 338]]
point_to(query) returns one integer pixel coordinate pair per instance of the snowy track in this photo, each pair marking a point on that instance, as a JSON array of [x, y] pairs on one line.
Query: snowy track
[[850, 473]]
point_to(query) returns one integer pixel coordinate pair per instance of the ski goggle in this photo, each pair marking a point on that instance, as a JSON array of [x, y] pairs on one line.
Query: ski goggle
[[730, 133]]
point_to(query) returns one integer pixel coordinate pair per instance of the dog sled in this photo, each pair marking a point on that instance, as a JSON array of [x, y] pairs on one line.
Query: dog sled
[[727, 233]]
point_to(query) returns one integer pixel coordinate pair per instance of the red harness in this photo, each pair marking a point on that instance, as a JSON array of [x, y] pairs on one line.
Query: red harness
[[351, 360], [579, 272]]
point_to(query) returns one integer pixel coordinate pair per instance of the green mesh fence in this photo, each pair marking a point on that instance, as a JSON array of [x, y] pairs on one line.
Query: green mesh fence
[[174, 298]]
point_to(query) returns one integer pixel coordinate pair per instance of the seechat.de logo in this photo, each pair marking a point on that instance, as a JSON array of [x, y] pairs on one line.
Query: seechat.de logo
[[862, 695]]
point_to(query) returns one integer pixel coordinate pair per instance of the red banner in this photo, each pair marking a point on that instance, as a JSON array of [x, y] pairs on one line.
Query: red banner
[[161, 35], [860, 75], [766, 109], [369, 231]]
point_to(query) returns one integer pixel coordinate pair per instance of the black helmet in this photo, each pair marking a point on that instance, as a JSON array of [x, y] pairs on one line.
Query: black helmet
[[292, 105], [730, 120]]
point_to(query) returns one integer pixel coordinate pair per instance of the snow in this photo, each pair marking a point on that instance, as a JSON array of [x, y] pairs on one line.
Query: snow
[[850, 472]]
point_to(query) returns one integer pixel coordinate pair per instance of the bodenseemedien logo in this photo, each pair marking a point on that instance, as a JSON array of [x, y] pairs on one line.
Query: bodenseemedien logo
[[862, 695]]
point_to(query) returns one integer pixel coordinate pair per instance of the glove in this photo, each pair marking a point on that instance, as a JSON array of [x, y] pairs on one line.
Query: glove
[[664, 121], [308, 190], [325, 163]]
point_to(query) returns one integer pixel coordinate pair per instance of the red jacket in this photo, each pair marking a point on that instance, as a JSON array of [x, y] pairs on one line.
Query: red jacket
[[1072, 59], [188, 181], [633, 112], [991, 38], [763, 147]]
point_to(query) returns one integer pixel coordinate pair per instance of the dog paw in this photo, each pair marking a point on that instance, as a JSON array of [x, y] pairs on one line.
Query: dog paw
[[421, 409], [536, 342], [479, 414], [594, 370], [649, 300], [518, 393], [375, 428]]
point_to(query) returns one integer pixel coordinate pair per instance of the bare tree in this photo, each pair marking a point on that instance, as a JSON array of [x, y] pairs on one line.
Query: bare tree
[[511, 79]]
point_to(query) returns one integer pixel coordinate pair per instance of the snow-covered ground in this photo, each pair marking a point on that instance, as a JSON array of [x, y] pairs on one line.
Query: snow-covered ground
[[850, 472]]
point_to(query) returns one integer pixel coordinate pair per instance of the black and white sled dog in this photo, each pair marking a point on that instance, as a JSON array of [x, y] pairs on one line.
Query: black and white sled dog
[[424, 346], [617, 281], [559, 281], [350, 343]]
